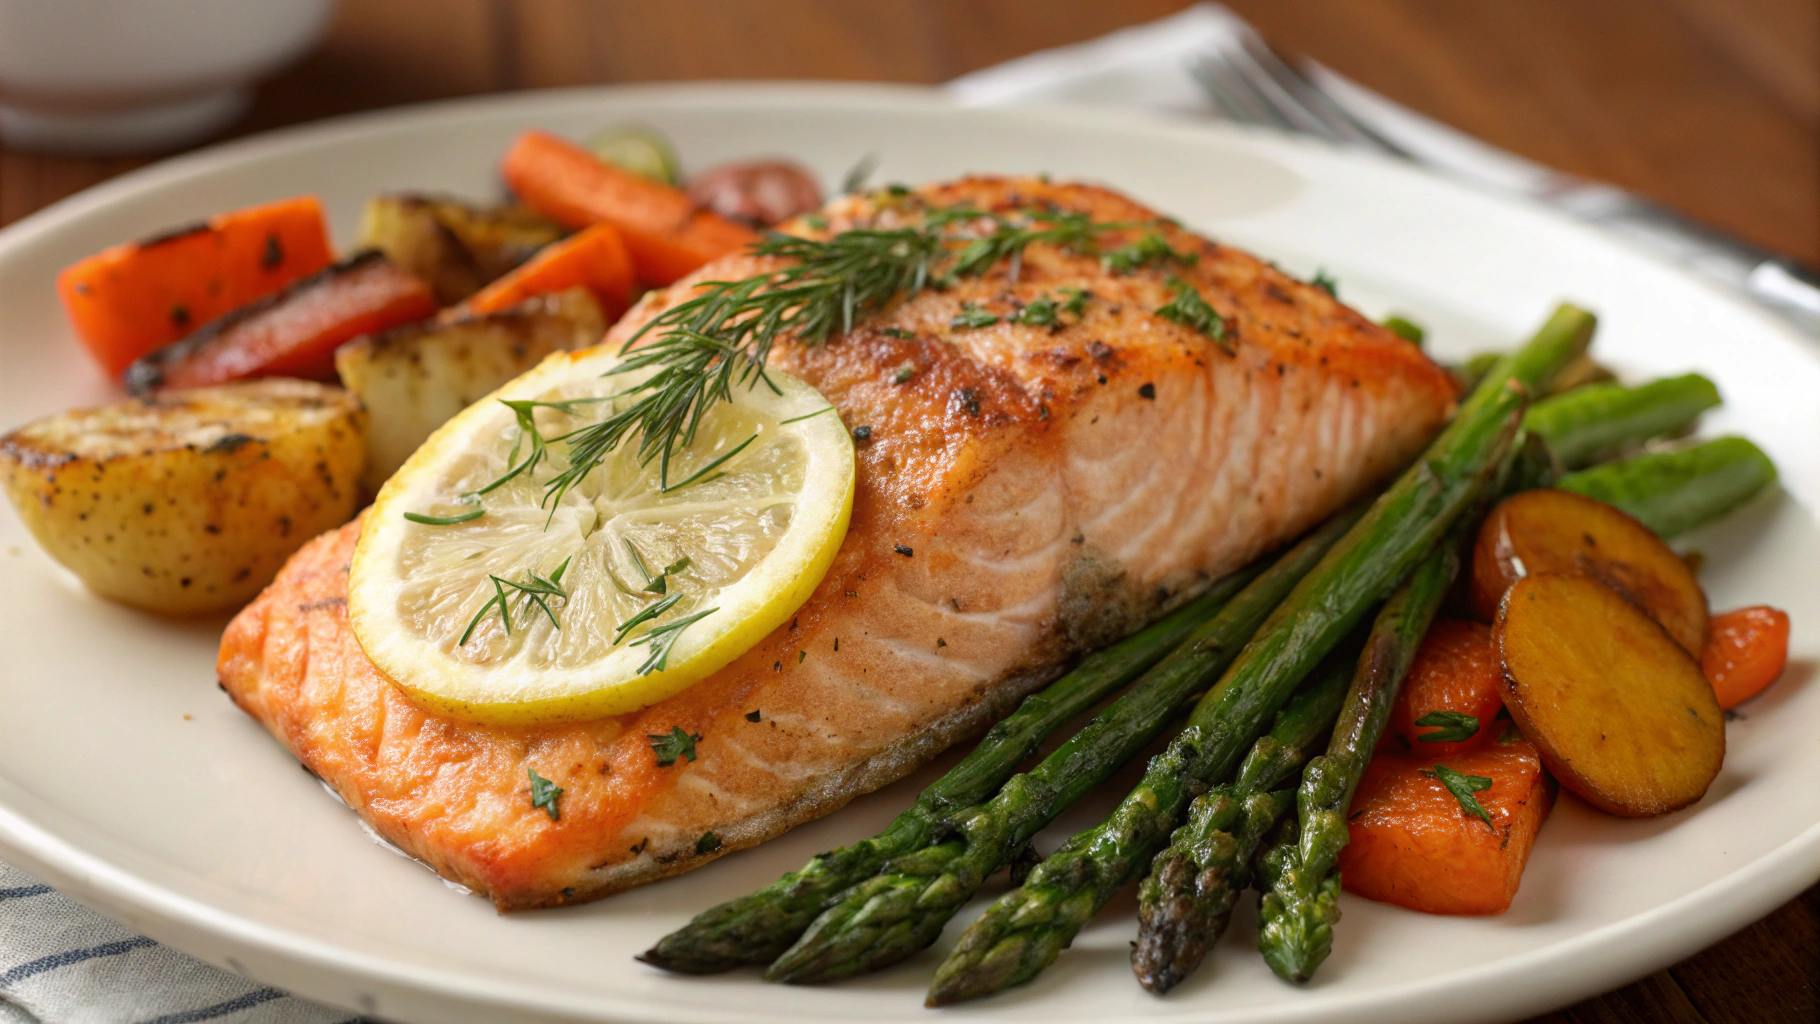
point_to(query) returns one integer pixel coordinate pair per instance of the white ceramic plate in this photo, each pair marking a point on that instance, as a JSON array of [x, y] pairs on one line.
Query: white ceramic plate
[[127, 780]]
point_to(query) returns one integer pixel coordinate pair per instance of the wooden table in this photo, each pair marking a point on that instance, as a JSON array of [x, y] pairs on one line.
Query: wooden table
[[1711, 106]]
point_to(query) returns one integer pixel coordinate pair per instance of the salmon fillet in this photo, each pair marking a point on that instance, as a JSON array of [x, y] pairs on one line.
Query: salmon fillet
[[1024, 493]]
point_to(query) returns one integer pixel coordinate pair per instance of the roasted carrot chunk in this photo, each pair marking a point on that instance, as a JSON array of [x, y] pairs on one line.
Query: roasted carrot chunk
[[126, 301], [1416, 844], [1454, 690], [1746, 653], [293, 333], [594, 259], [666, 233]]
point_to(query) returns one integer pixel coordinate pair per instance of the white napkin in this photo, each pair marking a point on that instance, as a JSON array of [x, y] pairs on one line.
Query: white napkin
[[61, 963]]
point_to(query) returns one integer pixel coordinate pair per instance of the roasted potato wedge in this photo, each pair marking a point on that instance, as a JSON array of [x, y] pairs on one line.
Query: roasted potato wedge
[[454, 247], [414, 378], [188, 501], [1561, 532], [1621, 713]]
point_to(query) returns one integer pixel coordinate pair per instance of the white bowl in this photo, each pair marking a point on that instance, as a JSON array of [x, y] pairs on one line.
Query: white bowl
[[134, 76]]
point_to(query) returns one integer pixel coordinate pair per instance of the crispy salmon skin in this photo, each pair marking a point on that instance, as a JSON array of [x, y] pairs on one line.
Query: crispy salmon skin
[[1027, 489]]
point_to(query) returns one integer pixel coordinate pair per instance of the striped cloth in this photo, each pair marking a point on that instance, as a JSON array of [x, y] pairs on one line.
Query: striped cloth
[[62, 963]]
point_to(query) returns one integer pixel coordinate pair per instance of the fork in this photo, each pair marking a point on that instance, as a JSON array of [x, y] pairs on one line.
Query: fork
[[1249, 83]]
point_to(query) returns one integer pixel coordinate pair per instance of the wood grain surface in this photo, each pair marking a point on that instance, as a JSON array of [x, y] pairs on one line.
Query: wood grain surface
[[1710, 106]]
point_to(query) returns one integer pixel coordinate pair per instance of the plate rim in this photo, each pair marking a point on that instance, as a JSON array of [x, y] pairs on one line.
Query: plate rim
[[1705, 914]]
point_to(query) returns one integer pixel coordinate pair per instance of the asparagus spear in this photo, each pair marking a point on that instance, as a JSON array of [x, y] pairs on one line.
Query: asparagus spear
[[1187, 899], [1299, 911], [756, 928], [1673, 492], [1591, 422], [902, 909], [1027, 928]]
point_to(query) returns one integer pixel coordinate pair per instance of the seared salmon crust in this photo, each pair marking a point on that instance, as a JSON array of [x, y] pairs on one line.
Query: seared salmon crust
[[1026, 492]]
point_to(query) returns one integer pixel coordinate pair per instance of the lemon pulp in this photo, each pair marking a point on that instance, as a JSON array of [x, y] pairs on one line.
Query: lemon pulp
[[616, 592]]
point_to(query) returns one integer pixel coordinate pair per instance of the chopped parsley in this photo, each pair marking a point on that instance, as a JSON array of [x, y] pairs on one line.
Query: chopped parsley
[[1463, 787], [544, 795], [1450, 727], [897, 332], [1077, 300], [1325, 282], [708, 843], [1039, 313], [672, 745], [903, 373], [971, 315], [1192, 311]]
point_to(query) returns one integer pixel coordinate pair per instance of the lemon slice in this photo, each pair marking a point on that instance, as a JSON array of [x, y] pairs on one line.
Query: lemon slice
[[616, 593]]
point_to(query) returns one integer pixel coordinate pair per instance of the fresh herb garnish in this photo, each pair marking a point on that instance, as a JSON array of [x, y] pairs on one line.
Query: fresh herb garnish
[[1463, 787], [460, 517], [897, 332], [807, 415], [1325, 282], [1077, 300], [536, 590], [656, 584], [971, 315], [1405, 328], [544, 795], [662, 638], [855, 179], [645, 614], [903, 373], [1192, 311], [672, 745], [713, 465], [1152, 248], [708, 843], [1040, 312], [1453, 727]]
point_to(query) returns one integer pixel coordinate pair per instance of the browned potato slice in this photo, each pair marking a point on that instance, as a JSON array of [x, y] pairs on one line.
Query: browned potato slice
[[188, 501], [1561, 532], [454, 247], [1622, 715], [414, 378]]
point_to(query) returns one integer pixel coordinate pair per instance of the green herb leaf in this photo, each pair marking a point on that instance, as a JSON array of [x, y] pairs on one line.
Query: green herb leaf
[[855, 179], [645, 614], [672, 745], [1190, 310], [661, 639], [1077, 300], [971, 315], [1152, 248], [536, 590], [903, 373], [1405, 328], [708, 843], [1040, 312], [1463, 787], [460, 517], [1452, 727], [544, 795], [1325, 282]]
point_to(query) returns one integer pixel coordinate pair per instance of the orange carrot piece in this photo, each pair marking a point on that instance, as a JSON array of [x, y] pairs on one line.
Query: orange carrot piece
[[666, 233], [1746, 652], [293, 333], [1456, 672], [1414, 844], [129, 300], [594, 258]]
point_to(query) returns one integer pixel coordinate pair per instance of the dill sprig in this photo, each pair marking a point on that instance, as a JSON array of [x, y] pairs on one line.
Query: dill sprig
[[662, 638], [723, 335], [536, 590]]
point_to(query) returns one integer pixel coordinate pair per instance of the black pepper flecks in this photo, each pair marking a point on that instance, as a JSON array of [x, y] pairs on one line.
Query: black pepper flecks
[[753, 715], [903, 549], [1147, 391], [862, 433], [274, 253]]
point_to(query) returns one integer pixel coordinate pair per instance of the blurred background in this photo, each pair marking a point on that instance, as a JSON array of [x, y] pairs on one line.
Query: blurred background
[[1709, 107]]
